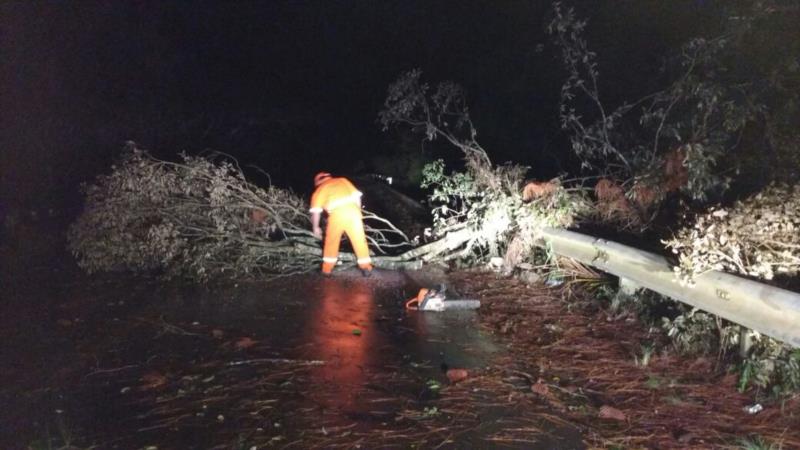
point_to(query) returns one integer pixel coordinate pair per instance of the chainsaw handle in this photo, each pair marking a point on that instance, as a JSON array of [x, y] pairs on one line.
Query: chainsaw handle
[[416, 302]]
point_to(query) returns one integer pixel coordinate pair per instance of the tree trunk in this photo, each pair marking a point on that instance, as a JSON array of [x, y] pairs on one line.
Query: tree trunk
[[410, 260]]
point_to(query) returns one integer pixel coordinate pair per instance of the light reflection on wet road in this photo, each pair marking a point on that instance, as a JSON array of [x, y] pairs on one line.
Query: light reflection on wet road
[[185, 365]]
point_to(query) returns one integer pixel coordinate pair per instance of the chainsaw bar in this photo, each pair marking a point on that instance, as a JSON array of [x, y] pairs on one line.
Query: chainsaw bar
[[452, 304], [435, 300]]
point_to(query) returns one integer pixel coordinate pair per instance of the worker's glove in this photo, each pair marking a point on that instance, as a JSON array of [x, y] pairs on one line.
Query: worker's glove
[[318, 233]]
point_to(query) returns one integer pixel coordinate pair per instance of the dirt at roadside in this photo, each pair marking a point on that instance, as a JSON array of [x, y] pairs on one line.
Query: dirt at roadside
[[587, 367]]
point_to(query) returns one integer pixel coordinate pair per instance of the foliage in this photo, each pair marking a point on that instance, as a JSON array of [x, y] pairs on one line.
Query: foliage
[[728, 106], [697, 332], [769, 365], [484, 199], [649, 306], [198, 218], [441, 114], [430, 412], [433, 385], [647, 351], [758, 443], [493, 216], [706, 106], [589, 141], [758, 237]]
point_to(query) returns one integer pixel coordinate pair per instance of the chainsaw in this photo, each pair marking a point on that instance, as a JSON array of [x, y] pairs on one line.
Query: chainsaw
[[436, 300]]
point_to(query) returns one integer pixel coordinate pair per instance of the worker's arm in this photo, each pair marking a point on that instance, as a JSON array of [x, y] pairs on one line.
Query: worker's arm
[[357, 194], [315, 215], [318, 199]]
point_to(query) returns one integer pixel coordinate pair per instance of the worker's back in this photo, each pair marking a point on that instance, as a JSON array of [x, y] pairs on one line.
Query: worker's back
[[334, 193]]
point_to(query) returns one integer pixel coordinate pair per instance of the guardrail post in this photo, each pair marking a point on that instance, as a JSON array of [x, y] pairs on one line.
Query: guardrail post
[[627, 290], [745, 341], [628, 286]]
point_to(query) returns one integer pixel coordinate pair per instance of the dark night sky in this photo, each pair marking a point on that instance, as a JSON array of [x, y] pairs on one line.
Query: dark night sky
[[291, 86]]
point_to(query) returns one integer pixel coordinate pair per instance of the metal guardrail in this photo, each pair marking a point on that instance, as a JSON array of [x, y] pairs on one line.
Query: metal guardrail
[[769, 310]]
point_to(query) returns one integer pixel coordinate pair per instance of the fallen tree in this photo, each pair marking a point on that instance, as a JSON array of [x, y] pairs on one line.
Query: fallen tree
[[755, 237], [200, 218], [479, 213]]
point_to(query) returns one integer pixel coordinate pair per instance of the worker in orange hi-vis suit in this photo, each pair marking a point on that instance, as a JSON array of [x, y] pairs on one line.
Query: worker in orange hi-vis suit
[[342, 201]]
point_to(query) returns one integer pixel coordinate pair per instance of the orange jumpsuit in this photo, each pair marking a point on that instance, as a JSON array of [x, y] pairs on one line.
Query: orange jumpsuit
[[342, 201]]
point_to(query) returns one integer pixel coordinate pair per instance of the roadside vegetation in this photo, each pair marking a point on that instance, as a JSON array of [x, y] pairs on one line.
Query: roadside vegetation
[[717, 131], [680, 155]]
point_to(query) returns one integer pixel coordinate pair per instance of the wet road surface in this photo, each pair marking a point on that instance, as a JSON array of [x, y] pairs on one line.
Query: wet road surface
[[302, 362]]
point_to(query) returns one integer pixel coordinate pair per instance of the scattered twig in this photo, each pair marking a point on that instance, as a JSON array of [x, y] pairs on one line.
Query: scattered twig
[[299, 362], [114, 370]]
